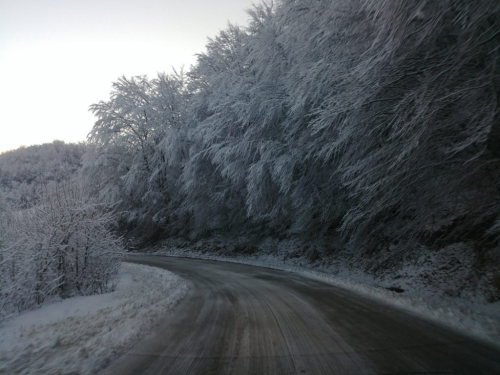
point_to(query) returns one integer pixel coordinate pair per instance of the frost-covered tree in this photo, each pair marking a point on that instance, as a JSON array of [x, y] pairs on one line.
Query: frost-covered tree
[[138, 144], [213, 196], [62, 247]]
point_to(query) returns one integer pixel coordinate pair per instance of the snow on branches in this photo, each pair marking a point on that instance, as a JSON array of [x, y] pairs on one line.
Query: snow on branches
[[364, 117], [61, 247]]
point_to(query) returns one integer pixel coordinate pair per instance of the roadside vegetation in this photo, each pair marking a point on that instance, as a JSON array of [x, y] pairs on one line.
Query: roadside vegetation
[[56, 238], [365, 129], [360, 129]]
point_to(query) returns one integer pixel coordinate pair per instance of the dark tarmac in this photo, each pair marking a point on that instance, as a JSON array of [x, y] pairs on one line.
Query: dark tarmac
[[240, 319]]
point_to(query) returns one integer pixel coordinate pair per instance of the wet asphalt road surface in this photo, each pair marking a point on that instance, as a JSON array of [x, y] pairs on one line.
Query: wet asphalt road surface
[[240, 319]]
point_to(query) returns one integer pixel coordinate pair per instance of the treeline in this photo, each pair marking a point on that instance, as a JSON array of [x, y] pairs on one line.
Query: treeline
[[25, 171], [366, 120]]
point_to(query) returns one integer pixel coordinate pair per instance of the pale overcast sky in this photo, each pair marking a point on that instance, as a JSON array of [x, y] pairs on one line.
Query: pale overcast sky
[[57, 57]]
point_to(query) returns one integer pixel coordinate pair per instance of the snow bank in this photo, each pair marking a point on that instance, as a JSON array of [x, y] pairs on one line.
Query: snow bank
[[481, 321], [83, 334]]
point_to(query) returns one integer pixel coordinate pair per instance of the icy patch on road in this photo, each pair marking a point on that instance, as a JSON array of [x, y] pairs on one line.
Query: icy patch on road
[[82, 335]]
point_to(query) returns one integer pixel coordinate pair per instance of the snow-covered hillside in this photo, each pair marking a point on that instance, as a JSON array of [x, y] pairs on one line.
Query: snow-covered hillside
[[83, 334], [24, 172]]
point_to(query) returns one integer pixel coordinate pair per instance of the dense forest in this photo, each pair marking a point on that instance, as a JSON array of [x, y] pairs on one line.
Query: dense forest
[[366, 121], [359, 124]]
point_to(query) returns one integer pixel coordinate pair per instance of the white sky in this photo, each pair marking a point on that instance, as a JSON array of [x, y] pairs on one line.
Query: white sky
[[57, 57]]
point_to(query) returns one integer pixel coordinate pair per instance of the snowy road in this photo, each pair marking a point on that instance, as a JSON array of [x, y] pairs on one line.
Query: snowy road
[[239, 319]]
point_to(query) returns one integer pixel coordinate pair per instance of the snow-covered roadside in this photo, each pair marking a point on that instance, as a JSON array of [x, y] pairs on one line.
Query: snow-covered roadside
[[83, 334], [481, 322]]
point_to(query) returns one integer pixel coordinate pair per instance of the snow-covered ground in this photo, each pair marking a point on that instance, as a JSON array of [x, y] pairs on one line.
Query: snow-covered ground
[[427, 281], [81, 335]]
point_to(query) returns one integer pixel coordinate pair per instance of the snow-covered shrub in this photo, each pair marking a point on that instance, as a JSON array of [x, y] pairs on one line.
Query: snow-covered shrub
[[62, 247]]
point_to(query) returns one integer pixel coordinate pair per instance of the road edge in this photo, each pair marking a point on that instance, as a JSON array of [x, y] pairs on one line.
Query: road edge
[[475, 326]]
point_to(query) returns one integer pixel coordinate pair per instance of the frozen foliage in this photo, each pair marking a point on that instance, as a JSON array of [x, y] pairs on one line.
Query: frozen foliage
[[82, 335], [139, 146], [373, 119], [24, 172], [415, 148], [61, 247]]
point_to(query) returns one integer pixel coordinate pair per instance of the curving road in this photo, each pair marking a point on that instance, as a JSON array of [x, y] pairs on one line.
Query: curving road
[[240, 319]]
